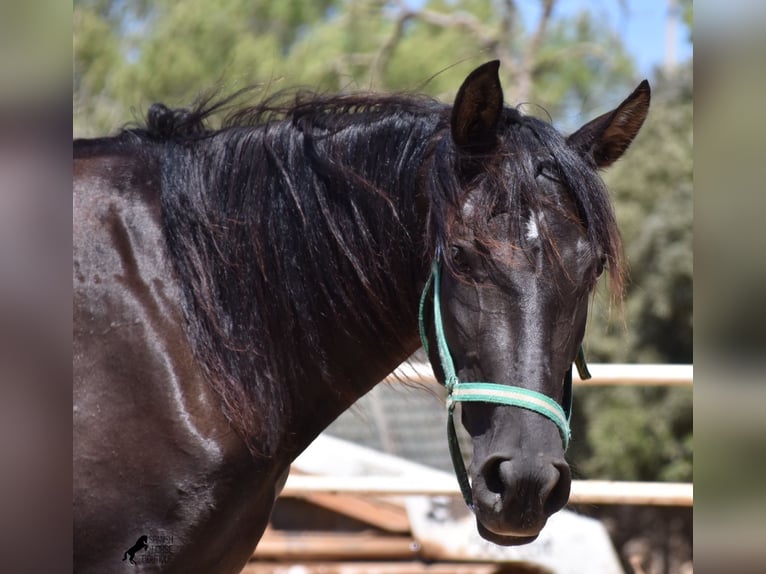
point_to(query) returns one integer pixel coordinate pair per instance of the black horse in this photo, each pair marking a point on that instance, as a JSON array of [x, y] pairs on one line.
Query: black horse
[[236, 289]]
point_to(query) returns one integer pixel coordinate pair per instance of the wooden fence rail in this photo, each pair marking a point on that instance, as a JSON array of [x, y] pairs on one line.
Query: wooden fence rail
[[583, 491], [604, 374]]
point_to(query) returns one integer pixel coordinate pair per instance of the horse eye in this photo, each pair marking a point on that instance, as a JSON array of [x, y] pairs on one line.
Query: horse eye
[[458, 258]]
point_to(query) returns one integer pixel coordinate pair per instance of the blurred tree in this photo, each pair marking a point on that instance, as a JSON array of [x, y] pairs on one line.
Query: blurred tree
[[97, 62], [129, 54], [634, 433]]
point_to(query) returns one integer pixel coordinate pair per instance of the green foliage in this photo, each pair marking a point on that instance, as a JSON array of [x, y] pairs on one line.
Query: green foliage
[[597, 70], [634, 433], [130, 54]]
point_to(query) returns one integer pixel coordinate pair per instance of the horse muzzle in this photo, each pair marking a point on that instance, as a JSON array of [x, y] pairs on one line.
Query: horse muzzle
[[514, 496]]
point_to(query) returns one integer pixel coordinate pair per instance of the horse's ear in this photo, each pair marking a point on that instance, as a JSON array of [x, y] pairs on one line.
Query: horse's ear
[[607, 137], [477, 110]]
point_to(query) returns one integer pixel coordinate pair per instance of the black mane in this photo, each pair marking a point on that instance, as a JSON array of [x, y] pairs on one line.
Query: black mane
[[306, 207], [283, 217]]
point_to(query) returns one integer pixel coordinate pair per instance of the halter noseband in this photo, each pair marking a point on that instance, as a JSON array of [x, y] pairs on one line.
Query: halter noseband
[[487, 392]]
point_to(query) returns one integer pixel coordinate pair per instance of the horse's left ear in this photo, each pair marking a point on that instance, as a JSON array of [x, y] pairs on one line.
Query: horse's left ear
[[607, 137], [477, 109]]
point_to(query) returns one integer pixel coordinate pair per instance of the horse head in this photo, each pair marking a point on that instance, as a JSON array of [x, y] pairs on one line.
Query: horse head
[[523, 233]]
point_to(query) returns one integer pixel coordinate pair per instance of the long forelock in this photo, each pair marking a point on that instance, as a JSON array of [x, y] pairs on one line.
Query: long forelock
[[506, 184], [593, 206]]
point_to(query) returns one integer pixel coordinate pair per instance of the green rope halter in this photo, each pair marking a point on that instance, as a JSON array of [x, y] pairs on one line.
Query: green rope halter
[[487, 392]]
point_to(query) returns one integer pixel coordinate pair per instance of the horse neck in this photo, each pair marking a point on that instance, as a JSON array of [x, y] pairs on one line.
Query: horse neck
[[379, 265], [301, 292]]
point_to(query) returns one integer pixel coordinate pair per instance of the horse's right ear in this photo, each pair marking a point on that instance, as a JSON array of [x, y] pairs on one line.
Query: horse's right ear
[[477, 109], [606, 138]]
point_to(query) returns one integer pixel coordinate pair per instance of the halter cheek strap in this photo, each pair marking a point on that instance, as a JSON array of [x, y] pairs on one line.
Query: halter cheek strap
[[487, 392]]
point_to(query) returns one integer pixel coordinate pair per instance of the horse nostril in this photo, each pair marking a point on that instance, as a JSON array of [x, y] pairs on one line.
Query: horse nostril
[[492, 476], [513, 480], [558, 495]]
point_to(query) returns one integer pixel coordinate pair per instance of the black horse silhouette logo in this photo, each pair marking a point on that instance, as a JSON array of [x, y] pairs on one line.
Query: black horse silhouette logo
[[140, 544]]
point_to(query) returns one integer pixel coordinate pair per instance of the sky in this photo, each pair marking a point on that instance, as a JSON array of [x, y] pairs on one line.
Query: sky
[[640, 23]]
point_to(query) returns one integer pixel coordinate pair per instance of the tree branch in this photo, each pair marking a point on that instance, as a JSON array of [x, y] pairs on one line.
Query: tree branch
[[529, 55], [486, 38], [380, 62]]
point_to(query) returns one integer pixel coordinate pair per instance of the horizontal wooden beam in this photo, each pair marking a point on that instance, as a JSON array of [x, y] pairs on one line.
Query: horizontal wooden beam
[[376, 512], [282, 545], [603, 374], [637, 493], [638, 375], [583, 491]]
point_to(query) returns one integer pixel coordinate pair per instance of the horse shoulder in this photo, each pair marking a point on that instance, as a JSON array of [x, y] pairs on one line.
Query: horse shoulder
[[153, 452]]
